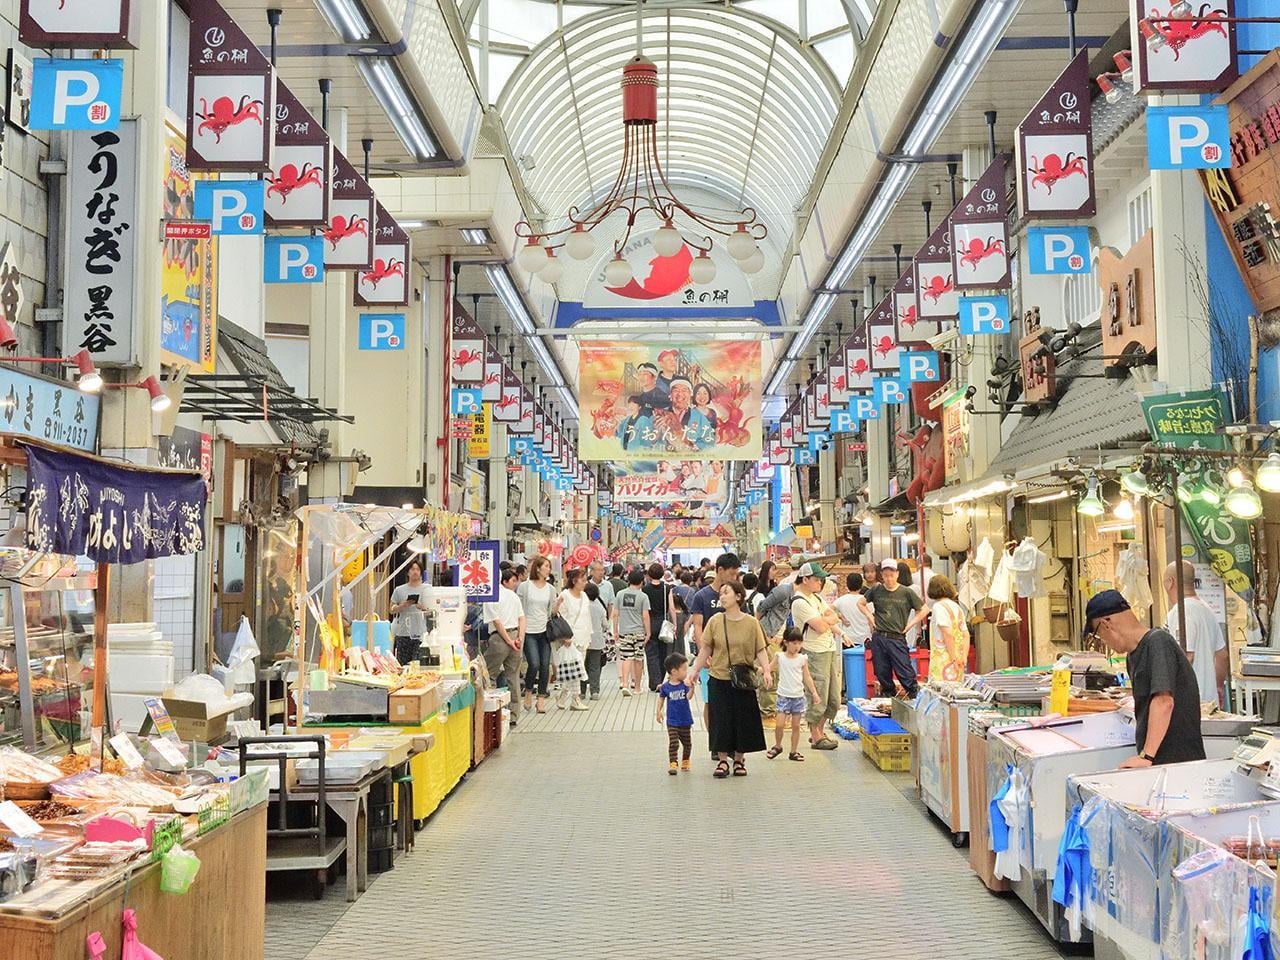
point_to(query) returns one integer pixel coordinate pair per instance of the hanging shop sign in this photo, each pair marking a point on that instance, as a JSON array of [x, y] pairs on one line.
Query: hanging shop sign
[[1188, 138], [102, 229], [12, 299], [955, 438], [1055, 149], [1128, 317], [857, 361], [102, 24], [821, 400], [523, 425], [50, 410], [386, 283], [232, 207], [837, 379], [1039, 376], [349, 234], [670, 481], [189, 271], [17, 100], [506, 409], [76, 94], [882, 329], [293, 259], [231, 95], [890, 390], [493, 367], [1194, 53], [477, 571], [381, 331], [643, 399], [1194, 419], [1245, 199], [460, 428], [187, 449], [109, 513], [1052, 250], [935, 285], [780, 456], [865, 408], [843, 421], [920, 365], [980, 232], [979, 315], [299, 181], [467, 348], [478, 446], [464, 401]]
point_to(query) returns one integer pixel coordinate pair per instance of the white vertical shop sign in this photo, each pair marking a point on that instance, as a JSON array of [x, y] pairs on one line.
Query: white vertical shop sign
[[102, 228]]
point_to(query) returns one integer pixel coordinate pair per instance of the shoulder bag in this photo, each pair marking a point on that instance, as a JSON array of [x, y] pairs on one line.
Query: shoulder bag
[[558, 628], [742, 676], [667, 632]]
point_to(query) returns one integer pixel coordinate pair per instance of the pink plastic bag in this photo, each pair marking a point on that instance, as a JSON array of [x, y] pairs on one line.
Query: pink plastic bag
[[133, 950], [97, 946]]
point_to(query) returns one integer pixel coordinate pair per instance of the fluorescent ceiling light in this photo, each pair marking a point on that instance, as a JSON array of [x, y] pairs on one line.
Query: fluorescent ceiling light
[[973, 50], [347, 19], [476, 236], [385, 81], [514, 304], [411, 224]]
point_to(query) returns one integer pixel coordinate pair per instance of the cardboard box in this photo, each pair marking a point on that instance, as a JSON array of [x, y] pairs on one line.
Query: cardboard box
[[410, 707], [196, 720]]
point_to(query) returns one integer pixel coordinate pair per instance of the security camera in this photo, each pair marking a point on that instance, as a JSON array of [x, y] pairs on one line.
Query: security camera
[[944, 339]]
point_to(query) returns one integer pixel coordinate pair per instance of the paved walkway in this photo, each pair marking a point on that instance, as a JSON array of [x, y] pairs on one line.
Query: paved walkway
[[576, 843]]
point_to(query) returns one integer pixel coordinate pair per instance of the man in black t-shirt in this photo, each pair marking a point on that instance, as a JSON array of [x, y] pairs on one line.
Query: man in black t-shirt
[[897, 609], [1166, 699], [656, 650]]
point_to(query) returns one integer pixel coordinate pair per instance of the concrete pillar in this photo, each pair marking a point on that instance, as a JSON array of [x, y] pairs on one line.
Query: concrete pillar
[[1178, 229], [437, 384], [827, 495], [499, 525]]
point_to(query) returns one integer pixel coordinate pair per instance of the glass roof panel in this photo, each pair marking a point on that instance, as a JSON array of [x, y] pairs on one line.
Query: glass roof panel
[[839, 53]]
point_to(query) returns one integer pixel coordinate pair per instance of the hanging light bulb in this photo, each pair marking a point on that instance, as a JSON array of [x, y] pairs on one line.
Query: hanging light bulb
[[753, 263], [579, 244], [740, 243], [532, 257], [1091, 504], [1243, 502], [1110, 91], [1235, 476], [1268, 474], [667, 241], [1124, 63], [703, 268], [1155, 39], [617, 272], [1210, 494], [1123, 509], [553, 269], [88, 379], [1180, 10], [1135, 482], [1186, 489]]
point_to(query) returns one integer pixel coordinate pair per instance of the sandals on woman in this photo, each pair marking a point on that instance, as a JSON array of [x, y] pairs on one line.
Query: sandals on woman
[[795, 756], [773, 752], [722, 770], [739, 768]]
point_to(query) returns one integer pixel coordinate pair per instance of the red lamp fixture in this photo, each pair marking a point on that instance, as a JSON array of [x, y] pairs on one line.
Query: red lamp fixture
[[88, 379], [159, 399], [641, 185]]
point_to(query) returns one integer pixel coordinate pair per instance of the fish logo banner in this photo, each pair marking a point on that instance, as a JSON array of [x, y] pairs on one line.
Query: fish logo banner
[[643, 400]]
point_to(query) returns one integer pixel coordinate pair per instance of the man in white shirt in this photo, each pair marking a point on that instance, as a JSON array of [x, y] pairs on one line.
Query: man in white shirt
[[505, 646], [596, 572], [856, 626], [1205, 645], [822, 646]]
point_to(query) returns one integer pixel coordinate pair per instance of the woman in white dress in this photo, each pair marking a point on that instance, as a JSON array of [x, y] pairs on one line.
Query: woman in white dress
[[568, 656]]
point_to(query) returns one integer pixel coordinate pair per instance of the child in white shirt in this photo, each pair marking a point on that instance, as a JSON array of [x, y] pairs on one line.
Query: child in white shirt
[[791, 668]]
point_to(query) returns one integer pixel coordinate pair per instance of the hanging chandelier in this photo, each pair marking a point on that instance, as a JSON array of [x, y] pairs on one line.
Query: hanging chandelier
[[641, 185]]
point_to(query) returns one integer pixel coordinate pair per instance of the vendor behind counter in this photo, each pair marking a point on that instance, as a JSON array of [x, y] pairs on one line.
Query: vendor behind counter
[[409, 603], [1166, 697]]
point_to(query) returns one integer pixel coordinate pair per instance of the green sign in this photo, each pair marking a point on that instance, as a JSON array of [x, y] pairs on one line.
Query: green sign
[[1191, 421]]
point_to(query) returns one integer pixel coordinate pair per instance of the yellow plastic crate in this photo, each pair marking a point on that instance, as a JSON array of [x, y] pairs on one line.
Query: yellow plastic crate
[[893, 756]]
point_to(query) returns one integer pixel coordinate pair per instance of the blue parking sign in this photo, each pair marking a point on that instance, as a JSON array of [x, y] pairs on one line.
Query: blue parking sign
[[889, 390], [293, 259], [984, 315], [804, 458], [921, 365], [465, 401], [232, 207], [865, 408], [844, 421], [1059, 250], [1188, 138], [817, 439], [381, 331], [76, 94]]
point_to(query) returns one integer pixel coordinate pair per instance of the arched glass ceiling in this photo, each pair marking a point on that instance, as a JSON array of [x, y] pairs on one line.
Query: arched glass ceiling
[[744, 109]]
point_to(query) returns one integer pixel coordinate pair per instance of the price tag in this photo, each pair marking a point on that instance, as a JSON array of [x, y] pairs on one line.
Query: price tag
[[126, 751], [169, 750], [1060, 692], [160, 717], [16, 819]]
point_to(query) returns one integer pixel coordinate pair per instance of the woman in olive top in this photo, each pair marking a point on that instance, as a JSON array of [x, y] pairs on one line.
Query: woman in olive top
[[729, 639]]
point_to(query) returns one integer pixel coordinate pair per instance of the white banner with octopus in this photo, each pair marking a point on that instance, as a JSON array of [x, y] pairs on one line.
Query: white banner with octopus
[[112, 514]]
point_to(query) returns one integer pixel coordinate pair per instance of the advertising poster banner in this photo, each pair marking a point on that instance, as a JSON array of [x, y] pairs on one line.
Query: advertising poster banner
[[643, 399], [477, 572], [670, 481], [188, 284]]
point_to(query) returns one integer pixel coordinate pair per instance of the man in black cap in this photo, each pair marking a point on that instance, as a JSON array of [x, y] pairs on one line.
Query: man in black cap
[[1166, 700]]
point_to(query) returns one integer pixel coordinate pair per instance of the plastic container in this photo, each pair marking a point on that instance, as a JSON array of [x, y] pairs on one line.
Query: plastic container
[[178, 869], [855, 673]]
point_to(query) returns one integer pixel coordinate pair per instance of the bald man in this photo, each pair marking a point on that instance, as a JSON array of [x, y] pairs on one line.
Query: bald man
[[1205, 645]]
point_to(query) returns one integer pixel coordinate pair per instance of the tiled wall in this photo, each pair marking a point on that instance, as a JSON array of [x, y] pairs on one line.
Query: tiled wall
[[175, 603]]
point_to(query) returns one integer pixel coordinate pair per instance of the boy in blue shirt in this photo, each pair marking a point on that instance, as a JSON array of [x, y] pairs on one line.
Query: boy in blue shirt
[[676, 695]]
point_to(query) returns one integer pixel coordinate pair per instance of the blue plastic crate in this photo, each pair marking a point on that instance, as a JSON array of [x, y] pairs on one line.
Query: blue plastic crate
[[874, 726]]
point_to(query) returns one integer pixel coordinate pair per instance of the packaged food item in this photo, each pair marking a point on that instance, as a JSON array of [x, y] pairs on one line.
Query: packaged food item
[[110, 788], [74, 763], [44, 811], [17, 766]]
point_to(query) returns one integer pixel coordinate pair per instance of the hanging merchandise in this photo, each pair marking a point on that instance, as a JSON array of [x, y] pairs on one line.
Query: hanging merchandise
[[1073, 879], [1132, 575], [972, 584], [1027, 563], [1204, 881], [1011, 801], [1257, 924], [984, 556], [133, 949], [1002, 582]]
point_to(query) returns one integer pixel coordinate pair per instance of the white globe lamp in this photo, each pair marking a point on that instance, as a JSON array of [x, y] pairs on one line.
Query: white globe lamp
[[741, 244], [667, 241], [617, 272], [553, 269], [532, 257], [753, 263], [579, 244], [703, 268]]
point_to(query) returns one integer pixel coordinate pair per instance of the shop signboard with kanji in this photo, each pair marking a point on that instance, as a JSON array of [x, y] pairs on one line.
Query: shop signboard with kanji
[[1055, 149], [1182, 53], [386, 283], [50, 410], [980, 232], [299, 181], [1194, 420], [884, 323], [348, 238], [935, 287], [58, 25], [102, 229]]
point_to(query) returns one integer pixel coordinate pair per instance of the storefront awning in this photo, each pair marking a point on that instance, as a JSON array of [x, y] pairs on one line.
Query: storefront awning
[[964, 492]]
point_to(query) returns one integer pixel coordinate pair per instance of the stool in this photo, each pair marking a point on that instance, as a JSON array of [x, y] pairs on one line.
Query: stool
[[404, 818]]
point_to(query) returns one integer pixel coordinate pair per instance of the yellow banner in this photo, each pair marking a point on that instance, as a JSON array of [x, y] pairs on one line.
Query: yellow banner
[[189, 272], [478, 445]]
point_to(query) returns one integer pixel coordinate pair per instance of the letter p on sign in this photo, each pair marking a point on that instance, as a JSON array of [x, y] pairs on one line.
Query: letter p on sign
[[1188, 138], [381, 331], [293, 260]]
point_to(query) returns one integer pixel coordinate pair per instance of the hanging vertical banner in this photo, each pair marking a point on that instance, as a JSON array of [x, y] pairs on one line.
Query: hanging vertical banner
[[1185, 53], [386, 283], [467, 344], [189, 301], [477, 572], [102, 24], [349, 234], [102, 227], [882, 328], [837, 378], [902, 308], [231, 95], [1055, 149], [980, 232], [857, 361], [478, 445], [298, 183], [935, 285], [493, 367], [506, 409], [822, 400], [523, 426]]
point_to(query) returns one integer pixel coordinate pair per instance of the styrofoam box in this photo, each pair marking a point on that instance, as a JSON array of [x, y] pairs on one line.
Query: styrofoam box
[[128, 670], [130, 709]]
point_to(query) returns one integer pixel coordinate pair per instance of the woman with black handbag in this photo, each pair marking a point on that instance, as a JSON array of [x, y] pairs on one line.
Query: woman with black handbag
[[733, 647], [536, 596]]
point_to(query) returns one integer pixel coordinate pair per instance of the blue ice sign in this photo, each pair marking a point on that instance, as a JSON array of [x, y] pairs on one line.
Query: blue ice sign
[[889, 390], [381, 331], [1188, 138], [984, 315], [464, 401], [865, 408], [844, 421], [76, 94], [1059, 250], [919, 365], [232, 207], [804, 458], [294, 260]]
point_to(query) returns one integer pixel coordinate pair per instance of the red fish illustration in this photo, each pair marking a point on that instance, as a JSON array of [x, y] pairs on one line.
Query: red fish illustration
[[666, 276]]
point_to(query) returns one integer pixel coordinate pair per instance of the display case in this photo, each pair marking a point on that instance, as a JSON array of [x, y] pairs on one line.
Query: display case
[[46, 650]]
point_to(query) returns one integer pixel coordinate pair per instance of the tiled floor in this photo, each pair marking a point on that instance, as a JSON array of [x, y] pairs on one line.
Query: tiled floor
[[573, 842]]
